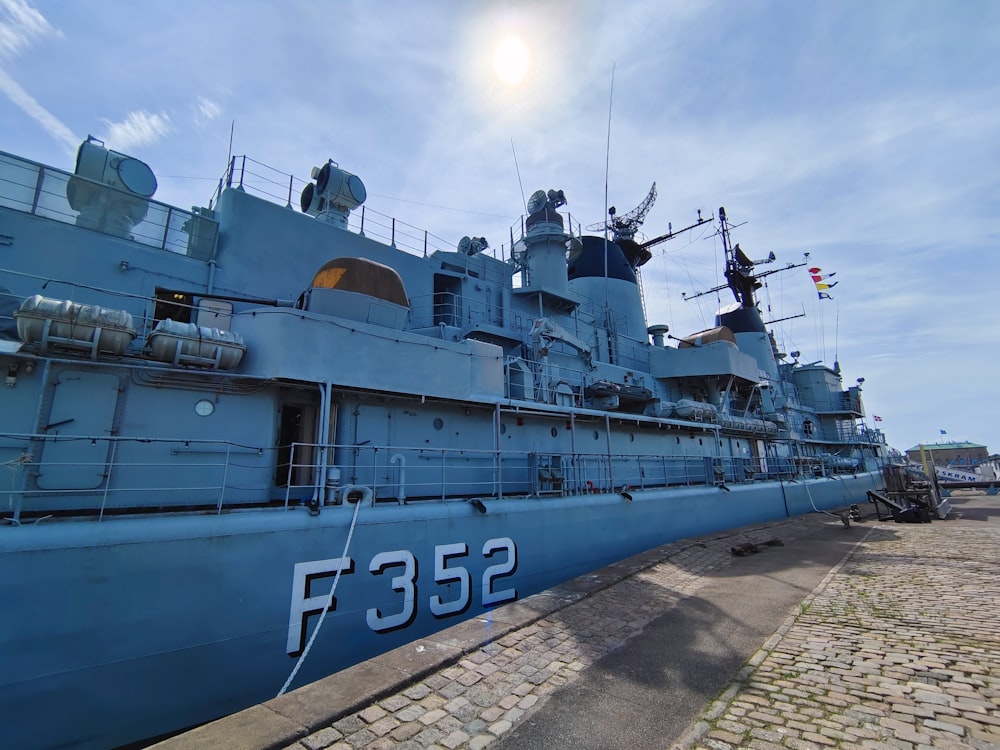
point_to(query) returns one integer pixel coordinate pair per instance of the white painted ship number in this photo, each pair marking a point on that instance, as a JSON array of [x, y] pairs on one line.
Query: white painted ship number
[[446, 572]]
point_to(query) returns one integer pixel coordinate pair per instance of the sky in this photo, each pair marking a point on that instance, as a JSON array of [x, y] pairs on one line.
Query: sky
[[866, 134]]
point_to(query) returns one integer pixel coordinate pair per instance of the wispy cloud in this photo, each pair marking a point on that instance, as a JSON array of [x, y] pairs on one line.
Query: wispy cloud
[[20, 26], [27, 103], [138, 129], [206, 110]]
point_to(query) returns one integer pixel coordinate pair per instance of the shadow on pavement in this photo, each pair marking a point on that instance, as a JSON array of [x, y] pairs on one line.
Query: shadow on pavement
[[650, 689]]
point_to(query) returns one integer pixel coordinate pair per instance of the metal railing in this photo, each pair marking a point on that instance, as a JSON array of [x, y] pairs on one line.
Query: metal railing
[[456, 310], [42, 191], [842, 432], [259, 179], [518, 230], [101, 476], [835, 403]]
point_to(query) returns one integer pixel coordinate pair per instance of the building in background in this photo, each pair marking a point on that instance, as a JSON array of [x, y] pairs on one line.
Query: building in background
[[949, 454]]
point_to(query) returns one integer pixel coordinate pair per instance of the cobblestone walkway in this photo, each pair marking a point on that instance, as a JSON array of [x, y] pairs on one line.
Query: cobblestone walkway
[[899, 647]]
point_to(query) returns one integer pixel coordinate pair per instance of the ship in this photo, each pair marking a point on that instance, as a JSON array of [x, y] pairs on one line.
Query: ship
[[250, 444]]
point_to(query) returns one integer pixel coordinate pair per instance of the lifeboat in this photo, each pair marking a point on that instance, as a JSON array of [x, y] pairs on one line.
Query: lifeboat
[[83, 328], [626, 392], [699, 410], [189, 344]]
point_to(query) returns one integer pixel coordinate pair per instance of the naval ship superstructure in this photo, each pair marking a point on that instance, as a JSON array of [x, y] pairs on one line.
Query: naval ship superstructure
[[213, 417]]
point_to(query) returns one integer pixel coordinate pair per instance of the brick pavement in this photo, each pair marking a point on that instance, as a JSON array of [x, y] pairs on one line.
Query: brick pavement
[[898, 647]]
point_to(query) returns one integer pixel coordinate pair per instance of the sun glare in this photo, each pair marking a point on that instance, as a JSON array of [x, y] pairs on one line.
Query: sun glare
[[510, 60]]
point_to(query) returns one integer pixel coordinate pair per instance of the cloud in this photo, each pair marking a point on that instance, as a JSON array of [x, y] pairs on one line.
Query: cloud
[[20, 26], [206, 110], [138, 129], [27, 103]]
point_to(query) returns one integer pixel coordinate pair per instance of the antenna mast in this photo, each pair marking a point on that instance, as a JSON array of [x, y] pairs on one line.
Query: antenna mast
[[518, 170], [741, 278], [607, 169]]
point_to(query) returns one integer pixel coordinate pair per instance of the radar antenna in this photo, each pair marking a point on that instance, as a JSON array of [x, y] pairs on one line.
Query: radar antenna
[[624, 227], [741, 278]]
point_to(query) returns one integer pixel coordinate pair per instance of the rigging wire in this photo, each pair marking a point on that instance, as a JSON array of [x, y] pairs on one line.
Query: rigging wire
[[818, 328], [518, 170], [836, 335], [662, 255], [455, 209]]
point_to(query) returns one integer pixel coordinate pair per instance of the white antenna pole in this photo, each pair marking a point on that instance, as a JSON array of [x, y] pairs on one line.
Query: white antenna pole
[[607, 167], [836, 334], [518, 170]]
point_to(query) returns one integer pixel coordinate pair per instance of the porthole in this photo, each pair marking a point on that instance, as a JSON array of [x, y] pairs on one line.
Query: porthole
[[631, 437], [503, 429], [438, 423], [700, 442], [204, 407], [597, 435], [554, 432]]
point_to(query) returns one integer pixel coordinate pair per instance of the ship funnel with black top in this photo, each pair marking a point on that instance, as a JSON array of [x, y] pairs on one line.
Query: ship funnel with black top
[[333, 195]]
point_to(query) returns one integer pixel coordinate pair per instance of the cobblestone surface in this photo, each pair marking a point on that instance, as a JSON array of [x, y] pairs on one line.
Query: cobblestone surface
[[898, 647]]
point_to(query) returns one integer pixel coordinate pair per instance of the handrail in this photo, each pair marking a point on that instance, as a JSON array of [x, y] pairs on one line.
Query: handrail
[[164, 474], [251, 176], [35, 189]]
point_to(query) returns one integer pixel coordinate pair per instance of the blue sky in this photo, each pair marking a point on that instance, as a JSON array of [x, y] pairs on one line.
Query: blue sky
[[865, 133]]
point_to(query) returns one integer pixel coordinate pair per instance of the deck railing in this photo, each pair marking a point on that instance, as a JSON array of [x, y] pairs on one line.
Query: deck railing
[[259, 179], [43, 191], [450, 309], [36, 189], [101, 476]]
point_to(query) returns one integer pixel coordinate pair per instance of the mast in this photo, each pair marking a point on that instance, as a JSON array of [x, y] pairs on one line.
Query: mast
[[740, 277], [744, 318]]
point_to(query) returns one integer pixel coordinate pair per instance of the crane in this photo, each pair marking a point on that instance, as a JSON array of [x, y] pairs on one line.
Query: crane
[[624, 227]]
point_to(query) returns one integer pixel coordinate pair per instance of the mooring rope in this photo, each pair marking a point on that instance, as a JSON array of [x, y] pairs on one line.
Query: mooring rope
[[329, 603]]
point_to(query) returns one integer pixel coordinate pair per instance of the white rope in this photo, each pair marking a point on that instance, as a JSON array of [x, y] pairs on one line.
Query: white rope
[[805, 483], [329, 603]]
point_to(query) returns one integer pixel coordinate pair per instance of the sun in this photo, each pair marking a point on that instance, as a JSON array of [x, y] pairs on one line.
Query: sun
[[510, 60]]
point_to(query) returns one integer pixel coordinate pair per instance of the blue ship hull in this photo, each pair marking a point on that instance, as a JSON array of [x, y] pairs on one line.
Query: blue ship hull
[[189, 618]]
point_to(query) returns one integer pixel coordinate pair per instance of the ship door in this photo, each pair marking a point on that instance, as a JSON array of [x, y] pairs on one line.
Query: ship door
[[760, 455], [77, 431], [447, 300], [296, 444]]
